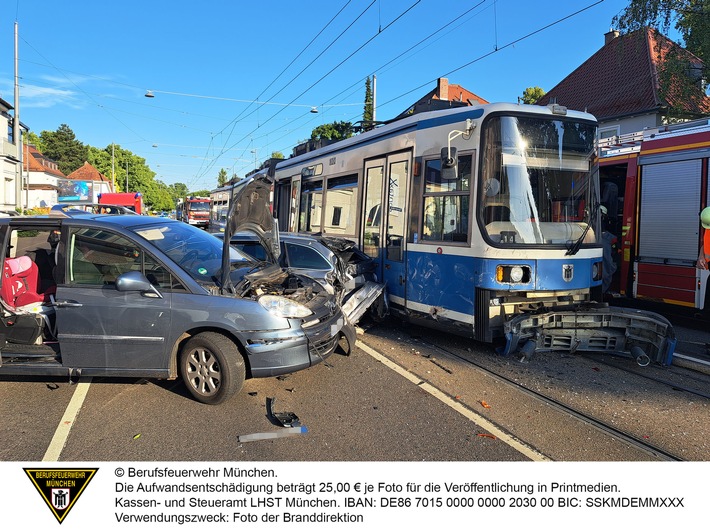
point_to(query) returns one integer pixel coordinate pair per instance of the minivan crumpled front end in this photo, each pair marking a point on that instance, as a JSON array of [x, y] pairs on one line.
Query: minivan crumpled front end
[[313, 335]]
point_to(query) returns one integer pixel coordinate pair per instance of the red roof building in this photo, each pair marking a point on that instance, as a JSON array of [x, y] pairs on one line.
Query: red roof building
[[445, 95], [620, 84], [88, 173]]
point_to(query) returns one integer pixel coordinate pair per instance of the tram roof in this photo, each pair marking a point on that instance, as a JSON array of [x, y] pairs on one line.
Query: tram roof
[[431, 119]]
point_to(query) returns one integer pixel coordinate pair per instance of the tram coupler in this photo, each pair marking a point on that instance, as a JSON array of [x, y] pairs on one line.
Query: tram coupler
[[642, 335]]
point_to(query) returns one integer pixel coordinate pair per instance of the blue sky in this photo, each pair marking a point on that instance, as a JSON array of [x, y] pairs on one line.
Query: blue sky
[[234, 81]]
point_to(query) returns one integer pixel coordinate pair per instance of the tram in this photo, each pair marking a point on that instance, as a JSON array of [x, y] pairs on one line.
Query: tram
[[483, 220]]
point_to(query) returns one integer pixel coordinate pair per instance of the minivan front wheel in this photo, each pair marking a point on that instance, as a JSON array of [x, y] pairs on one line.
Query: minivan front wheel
[[212, 367]]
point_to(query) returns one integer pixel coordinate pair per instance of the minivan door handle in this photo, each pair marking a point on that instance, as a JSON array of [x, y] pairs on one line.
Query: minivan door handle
[[65, 304]]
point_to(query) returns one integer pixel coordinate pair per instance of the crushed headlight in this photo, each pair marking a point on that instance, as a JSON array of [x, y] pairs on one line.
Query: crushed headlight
[[283, 307]]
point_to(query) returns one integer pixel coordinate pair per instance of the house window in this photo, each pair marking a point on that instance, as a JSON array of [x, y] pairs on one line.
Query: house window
[[608, 132]]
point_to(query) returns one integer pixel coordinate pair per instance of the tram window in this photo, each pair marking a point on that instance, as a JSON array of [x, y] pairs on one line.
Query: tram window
[[309, 217], [341, 206], [446, 202]]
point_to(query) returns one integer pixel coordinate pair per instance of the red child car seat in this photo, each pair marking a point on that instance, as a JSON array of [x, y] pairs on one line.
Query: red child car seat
[[20, 284]]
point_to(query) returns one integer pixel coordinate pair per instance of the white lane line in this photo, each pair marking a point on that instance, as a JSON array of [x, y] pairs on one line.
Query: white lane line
[[482, 422], [61, 435]]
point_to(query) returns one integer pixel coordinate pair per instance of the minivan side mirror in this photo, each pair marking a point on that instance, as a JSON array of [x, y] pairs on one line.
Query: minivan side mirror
[[136, 282]]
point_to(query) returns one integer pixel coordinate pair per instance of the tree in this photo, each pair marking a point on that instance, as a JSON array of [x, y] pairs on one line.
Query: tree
[[63, 147], [35, 140], [277, 155], [333, 131], [691, 18], [368, 112], [178, 191], [532, 94], [222, 177]]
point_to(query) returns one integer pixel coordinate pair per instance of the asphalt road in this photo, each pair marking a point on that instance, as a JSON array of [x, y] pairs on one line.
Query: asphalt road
[[395, 398]]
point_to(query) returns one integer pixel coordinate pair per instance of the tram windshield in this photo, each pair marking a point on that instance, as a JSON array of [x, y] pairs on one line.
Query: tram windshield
[[537, 186]]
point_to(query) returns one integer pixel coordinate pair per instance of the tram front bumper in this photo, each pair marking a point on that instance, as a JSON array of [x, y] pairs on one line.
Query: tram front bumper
[[642, 335]]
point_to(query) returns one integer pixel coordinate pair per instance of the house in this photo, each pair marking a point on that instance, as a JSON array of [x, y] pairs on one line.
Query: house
[[9, 159], [620, 84], [444, 96], [42, 174], [88, 173]]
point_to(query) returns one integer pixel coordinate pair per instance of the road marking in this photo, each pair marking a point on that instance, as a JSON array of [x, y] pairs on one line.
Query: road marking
[[61, 435], [482, 422]]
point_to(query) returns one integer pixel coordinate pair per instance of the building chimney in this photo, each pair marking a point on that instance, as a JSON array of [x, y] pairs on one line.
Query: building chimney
[[610, 36], [442, 88]]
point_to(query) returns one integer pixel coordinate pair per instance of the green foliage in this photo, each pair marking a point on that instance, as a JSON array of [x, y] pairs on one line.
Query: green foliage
[[277, 155], [692, 19], [334, 131], [368, 111], [200, 193], [63, 147], [222, 177], [35, 140], [532, 94]]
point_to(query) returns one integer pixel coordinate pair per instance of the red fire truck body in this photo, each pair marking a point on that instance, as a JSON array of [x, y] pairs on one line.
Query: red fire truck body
[[194, 211], [654, 184], [132, 200]]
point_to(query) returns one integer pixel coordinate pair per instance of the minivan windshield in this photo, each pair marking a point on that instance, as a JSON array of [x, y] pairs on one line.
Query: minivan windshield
[[194, 250], [538, 185]]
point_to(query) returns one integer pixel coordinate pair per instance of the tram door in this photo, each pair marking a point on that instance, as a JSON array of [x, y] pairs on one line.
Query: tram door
[[384, 220]]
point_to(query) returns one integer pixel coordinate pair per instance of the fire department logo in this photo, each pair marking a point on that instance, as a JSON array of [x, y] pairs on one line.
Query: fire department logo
[[60, 488]]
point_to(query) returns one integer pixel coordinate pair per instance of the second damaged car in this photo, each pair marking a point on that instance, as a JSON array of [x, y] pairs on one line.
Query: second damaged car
[[134, 296]]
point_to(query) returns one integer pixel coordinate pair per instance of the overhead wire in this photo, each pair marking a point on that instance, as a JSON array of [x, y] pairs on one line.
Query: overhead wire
[[381, 30], [234, 121]]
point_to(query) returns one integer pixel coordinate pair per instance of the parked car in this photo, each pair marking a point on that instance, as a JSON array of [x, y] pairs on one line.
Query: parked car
[[334, 262], [137, 296], [73, 209]]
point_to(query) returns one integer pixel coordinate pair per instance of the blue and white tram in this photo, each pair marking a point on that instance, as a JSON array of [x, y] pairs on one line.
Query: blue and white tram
[[483, 221]]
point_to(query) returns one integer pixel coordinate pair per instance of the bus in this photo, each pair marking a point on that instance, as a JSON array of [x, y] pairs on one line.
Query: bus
[[483, 220]]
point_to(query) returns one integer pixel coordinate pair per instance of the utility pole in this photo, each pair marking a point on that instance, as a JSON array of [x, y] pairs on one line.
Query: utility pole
[[113, 168], [374, 99], [16, 133]]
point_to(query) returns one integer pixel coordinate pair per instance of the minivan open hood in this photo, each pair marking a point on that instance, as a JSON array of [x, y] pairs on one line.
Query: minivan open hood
[[250, 209]]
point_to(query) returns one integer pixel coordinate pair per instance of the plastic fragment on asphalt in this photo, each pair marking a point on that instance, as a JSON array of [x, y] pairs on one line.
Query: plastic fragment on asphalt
[[484, 435], [282, 419], [485, 405], [291, 431], [137, 436]]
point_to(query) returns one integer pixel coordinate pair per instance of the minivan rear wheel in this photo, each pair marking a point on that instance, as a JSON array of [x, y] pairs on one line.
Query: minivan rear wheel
[[212, 367]]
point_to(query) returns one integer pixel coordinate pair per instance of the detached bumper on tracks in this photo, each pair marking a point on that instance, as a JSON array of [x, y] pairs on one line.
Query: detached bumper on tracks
[[642, 335]]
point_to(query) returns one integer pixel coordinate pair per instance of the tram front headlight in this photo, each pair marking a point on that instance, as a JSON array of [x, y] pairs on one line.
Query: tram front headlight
[[597, 271], [516, 274], [513, 274]]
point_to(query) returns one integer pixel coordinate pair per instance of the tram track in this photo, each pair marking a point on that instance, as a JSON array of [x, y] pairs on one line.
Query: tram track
[[644, 447], [671, 384]]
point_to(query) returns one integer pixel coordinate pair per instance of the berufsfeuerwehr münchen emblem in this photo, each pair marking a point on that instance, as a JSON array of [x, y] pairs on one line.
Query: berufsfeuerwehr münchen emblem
[[61, 487]]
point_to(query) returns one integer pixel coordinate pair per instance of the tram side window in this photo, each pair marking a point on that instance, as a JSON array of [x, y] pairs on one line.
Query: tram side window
[[341, 206], [446, 202], [311, 207]]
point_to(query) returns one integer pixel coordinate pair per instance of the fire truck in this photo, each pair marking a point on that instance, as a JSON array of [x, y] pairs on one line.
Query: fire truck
[[194, 211], [653, 184], [132, 200]]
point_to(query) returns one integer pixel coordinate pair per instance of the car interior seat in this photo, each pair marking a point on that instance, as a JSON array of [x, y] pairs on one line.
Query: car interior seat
[[21, 283]]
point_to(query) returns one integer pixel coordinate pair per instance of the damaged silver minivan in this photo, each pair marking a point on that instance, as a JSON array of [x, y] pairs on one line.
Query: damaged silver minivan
[[135, 296]]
